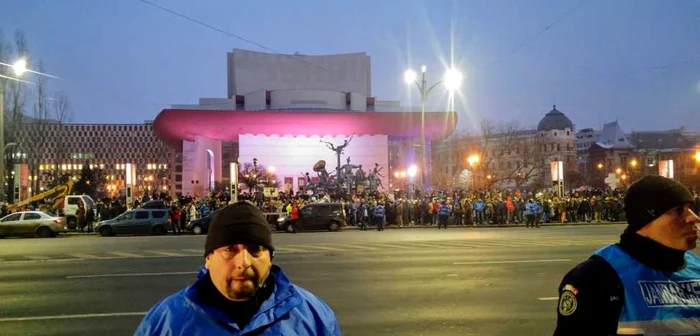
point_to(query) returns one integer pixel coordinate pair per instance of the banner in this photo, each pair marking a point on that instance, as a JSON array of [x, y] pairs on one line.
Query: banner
[[666, 168]]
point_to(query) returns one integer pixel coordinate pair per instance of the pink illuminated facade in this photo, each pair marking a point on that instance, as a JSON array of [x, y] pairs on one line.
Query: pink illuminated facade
[[279, 108], [287, 140]]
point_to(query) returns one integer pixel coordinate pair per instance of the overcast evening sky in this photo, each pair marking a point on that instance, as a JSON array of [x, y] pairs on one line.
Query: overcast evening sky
[[637, 61]]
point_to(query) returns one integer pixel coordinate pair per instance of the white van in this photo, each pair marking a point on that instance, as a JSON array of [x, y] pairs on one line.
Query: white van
[[70, 206]]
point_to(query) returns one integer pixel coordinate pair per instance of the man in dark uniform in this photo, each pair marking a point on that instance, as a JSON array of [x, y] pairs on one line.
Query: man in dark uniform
[[648, 283]]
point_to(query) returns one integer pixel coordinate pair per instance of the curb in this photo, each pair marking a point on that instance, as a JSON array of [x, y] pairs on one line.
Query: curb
[[490, 226]]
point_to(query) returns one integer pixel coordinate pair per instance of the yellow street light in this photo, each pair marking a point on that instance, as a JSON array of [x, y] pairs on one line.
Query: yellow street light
[[600, 166], [697, 156], [473, 159], [624, 177], [618, 170], [633, 163]]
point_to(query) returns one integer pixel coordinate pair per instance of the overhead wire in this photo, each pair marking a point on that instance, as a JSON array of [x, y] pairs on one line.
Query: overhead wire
[[246, 40], [540, 32]]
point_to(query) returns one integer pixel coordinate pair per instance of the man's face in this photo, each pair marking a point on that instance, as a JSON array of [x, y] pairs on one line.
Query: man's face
[[680, 228], [238, 270]]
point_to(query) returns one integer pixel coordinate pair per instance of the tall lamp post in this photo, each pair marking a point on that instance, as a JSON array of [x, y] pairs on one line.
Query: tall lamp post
[[452, 80], [19, 68]]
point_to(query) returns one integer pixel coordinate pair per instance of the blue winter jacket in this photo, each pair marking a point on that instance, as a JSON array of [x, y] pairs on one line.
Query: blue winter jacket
[[290, 310], [530, 208]]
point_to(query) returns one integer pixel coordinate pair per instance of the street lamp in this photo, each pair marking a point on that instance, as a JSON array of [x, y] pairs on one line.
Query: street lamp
[[697, 156], [633, 163], [452, 80], [600, 166], [473, 159], [270, 169], [618, 170], [19, 68]]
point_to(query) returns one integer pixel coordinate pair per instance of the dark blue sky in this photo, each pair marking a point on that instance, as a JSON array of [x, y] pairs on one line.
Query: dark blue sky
[[635, 61]]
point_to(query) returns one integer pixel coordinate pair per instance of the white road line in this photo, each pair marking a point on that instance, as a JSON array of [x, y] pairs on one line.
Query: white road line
[[287, 249], [198, 251], [84, 256], [36, 257], [360, 247], [397, 246], [509, 262], [126, 254], [118, 275], [327, 248], [68, 317], [549, 298], [166, 253]]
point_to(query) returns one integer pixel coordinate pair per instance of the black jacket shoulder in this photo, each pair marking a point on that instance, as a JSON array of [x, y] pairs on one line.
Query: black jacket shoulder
[[590, 300]]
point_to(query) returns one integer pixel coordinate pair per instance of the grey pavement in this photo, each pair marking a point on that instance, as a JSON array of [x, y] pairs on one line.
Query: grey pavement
[[397, 282]]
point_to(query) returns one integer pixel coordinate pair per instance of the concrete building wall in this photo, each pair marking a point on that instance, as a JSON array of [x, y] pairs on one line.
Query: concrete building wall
[[250, 71], [309, 99], [202, 166]]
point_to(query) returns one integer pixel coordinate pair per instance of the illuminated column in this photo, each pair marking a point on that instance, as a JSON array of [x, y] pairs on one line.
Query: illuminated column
[[234, 182], [130, 184], [557, 172]]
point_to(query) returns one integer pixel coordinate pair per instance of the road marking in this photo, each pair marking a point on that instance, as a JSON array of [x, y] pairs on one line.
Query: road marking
[[36, 257], [68, 317], [84, 256], [509, 262], [452, 275], [126, 254], [286, 249], [167, 254], [116, 275], [360, 247], [197, 251], [549, 298], [326, 248]]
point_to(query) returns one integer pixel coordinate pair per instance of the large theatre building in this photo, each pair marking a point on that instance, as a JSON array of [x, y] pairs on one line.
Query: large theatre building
[[281, 109]]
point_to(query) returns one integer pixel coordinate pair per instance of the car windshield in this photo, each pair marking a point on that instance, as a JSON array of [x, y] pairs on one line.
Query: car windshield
[[424, 167]]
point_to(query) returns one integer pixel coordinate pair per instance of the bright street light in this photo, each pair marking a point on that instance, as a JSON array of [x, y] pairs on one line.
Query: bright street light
[[618, 170], [412, 171], [600, 166], [633, 163], [473, 159], [270, 169], [20, 67], [697, 156], [453, 80], [410, 76]]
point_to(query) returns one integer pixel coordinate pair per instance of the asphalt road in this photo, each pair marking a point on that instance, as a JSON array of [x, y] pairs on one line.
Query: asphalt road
[[487, 281]]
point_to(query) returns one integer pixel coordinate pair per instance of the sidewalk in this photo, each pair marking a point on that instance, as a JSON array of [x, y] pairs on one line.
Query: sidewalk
[[485, 226]]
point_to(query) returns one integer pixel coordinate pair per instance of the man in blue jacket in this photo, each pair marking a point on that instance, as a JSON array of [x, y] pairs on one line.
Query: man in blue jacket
[[239, 291]]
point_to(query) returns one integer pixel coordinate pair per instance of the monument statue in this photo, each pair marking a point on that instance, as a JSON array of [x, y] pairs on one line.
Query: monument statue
[[374, 177], [338, 151]]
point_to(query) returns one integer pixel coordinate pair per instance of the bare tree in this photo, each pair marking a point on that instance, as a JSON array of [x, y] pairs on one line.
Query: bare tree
[[15, 109], [510, 156], [62, 114], [34, 135]]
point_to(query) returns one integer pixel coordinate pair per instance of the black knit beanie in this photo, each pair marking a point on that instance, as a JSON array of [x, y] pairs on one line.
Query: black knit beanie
[[238, 223], [650, 197]]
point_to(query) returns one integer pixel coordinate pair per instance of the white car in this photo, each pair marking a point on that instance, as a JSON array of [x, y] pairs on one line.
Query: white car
[[25, 223]]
